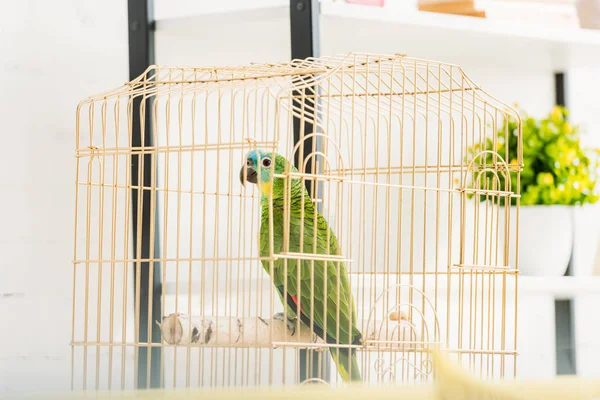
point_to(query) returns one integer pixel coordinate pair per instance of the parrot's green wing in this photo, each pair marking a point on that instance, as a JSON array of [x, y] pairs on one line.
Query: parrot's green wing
[[318, 287], [329, 287], [329, 277]]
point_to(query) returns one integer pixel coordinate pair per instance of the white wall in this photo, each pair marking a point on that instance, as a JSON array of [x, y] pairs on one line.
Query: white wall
[[54, 54]]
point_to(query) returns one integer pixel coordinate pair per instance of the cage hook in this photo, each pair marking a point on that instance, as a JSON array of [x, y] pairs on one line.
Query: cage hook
[[93, 152]]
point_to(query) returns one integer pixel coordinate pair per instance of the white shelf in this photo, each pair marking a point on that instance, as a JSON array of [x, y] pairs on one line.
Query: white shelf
[[467, 39], [559, 287], [455, 39], [169, 9]]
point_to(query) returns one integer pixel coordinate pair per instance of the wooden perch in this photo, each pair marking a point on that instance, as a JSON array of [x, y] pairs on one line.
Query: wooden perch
[[230, 331], [182, 329]]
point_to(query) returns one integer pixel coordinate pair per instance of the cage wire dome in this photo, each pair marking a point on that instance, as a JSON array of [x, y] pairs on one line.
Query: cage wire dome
[[399, 157]]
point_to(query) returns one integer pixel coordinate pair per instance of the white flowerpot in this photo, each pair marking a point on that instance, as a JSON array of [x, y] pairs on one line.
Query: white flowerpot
[[545, 239], [586, 235]]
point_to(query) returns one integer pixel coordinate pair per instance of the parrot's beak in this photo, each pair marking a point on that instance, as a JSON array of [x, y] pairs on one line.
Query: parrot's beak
[[248, 174]]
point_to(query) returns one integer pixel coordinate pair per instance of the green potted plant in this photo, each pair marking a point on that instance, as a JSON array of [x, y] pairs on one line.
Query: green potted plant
[[558, 178]]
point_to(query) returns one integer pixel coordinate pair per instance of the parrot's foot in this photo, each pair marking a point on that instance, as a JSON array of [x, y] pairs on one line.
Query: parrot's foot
[[290, 322]]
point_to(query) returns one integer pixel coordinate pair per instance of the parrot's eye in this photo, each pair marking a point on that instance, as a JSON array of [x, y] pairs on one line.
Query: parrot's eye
[[266, 162]]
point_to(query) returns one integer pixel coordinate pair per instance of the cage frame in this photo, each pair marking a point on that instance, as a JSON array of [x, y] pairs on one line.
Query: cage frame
[[139, 88]]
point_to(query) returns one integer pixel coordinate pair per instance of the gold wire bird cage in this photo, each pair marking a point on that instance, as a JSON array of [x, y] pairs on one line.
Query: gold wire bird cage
[[408, 161]]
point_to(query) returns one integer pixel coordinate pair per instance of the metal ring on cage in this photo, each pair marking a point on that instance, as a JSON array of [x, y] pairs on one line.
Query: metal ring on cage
[[315, 380], [410, 287], [329, 141], [504, 170], [422, 371]]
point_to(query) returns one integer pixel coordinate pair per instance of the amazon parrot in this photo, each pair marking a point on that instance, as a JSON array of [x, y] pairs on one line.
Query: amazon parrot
[[330, 278]]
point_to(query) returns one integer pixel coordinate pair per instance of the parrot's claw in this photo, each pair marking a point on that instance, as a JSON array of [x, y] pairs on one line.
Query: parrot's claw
[[290, 323]]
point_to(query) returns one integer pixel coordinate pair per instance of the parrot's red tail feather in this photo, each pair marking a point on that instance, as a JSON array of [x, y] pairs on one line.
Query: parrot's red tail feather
[[295, 300]]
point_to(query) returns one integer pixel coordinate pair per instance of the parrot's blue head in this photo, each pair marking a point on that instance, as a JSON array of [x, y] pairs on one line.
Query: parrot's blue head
[[259, 166]]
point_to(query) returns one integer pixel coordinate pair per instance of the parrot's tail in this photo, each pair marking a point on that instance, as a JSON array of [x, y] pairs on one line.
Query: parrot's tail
[[347, 365]]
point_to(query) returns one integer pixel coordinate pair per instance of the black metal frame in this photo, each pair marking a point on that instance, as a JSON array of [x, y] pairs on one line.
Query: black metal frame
[[563, 309], [560, 99], [559, 88], [304, 34], [304, 23], [304, 28], [566, 361], [141, 56]]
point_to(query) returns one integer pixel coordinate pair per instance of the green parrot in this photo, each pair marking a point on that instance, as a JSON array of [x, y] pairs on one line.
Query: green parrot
[[340, 324]]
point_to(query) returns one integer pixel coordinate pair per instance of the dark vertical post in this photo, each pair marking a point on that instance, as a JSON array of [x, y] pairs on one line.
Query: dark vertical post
[[304, 25], [561, 100], [559, 87], [563, 309], [141, 55], [565, 337]]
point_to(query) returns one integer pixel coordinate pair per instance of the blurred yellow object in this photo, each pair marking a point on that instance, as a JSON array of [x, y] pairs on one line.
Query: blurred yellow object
[[453, 382], [546, 178], [568, 128], [465, 8], [556, 112]]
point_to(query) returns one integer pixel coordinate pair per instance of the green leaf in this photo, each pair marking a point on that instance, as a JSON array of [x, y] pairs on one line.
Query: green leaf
[[557, 170]]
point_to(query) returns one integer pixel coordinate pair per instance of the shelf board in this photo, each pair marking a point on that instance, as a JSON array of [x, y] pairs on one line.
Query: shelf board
[[441, 37], [459, 39], [560, 287]]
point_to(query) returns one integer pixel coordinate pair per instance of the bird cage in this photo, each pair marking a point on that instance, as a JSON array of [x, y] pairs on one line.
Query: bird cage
[[375, 195]]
